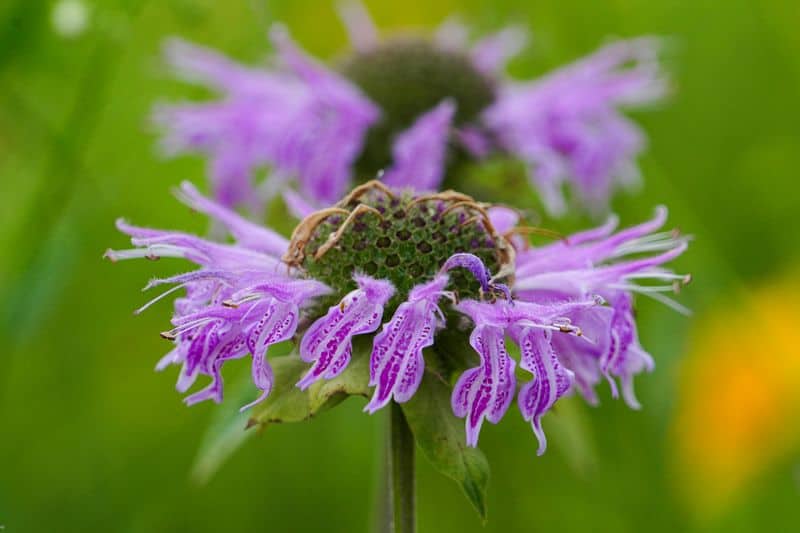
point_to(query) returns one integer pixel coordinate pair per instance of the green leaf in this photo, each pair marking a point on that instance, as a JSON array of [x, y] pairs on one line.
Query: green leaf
[[226, 434], [287, 403], [443, 440], [571, 434]]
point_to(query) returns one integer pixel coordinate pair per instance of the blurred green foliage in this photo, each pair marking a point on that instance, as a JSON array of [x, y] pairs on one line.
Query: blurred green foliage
[[92, 439]]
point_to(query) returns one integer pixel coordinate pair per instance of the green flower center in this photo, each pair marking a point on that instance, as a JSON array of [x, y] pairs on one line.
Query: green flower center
[[406, 77], [398, 237]]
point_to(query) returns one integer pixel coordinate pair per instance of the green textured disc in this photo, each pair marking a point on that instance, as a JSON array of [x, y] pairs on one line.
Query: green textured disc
[[402, 238]]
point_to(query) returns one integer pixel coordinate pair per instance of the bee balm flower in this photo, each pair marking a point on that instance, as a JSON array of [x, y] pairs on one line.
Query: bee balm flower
[[393, 268]]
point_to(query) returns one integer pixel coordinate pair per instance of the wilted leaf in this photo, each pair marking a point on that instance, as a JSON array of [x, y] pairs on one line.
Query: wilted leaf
[[443, 440]]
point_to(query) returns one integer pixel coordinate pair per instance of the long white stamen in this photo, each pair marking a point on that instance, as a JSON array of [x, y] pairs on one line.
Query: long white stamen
[[641, 288], [159, 297], [669, 302], [656, 246], [660, 236], [504, 272], [174, 332], [155, 251], [661, 276], [642, 244], [561, 328]]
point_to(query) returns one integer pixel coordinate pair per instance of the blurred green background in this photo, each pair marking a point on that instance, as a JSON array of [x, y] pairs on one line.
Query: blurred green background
[[92, 439]]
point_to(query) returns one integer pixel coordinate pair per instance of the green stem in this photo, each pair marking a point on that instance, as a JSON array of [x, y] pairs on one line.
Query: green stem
[[382, 521], [401, 455]]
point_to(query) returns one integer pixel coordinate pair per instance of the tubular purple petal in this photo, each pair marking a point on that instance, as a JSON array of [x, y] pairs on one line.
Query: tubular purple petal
[[491, 54], [419, 152], [503, 218], [246, 233], [298, 206], [472, 263], [361, 30], [198, 64], [592, 261], [475, 140], [328, 342], [551, 380], [396, 363], [154, 244], [486, 391]]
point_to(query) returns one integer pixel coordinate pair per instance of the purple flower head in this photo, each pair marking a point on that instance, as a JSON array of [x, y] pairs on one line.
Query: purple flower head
[[409, 108], [568, 126], [383, 270], [299, 118]]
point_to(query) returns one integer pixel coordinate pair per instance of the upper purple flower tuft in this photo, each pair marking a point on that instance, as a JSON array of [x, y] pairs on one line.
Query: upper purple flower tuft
[[568, 126], [300, 119], [317, 130]]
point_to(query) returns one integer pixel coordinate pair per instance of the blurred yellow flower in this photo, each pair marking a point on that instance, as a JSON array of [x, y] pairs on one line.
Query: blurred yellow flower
[[740, 396]]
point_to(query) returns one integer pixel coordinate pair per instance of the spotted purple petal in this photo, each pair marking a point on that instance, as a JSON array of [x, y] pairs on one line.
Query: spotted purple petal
[[487, 390], [328, 342], [239, 301], [229, 345], [278, 323], [551, 380], [396, 364]]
